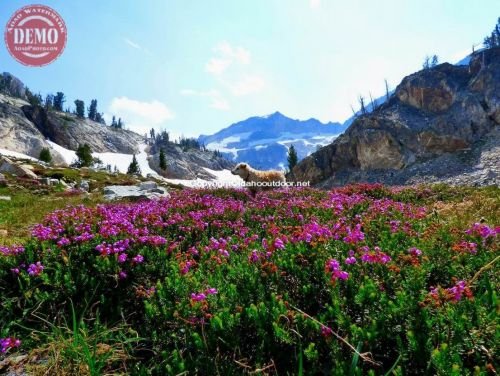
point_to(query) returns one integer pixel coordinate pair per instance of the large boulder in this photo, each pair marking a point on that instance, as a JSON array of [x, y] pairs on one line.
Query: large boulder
[[146, 190], [10, 167]]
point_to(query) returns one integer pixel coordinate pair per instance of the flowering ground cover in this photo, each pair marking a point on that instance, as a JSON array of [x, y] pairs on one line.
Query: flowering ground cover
[[359, 280]]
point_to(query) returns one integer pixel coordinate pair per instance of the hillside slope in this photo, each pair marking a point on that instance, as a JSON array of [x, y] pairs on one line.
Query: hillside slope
[[441, 124], [25, 129], [191, 163]]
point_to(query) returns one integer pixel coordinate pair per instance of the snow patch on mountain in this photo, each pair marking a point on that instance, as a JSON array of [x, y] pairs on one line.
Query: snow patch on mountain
[[263, 141], [120, 160]]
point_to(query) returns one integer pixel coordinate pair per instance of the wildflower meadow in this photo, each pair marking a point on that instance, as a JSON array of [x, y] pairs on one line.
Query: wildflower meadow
[[358, 280]]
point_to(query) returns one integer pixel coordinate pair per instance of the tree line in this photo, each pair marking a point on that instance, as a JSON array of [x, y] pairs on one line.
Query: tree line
[[493, 40], [55, 102]]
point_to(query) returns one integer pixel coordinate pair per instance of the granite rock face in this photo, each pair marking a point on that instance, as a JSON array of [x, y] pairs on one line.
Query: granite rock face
[[434, 115]]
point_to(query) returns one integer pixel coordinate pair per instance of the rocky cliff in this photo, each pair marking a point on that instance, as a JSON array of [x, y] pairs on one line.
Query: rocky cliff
[[69, 131], [441, 124], [25, 128]]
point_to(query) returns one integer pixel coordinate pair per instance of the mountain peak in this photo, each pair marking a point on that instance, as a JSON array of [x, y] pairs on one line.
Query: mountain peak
[[276, 114]]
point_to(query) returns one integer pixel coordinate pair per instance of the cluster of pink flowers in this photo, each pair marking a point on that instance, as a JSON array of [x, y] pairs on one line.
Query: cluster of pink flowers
[[333, 266], [8, 343], [482, 230], [374, 257], [255, 256], [454, 293], [13, 250], [465, 246], [354, 235], [351, 259], [35, 270], [415, 251], [326, 331], [200, 296]]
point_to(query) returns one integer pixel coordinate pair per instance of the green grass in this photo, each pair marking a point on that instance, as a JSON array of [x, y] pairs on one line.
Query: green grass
[[27, 208]]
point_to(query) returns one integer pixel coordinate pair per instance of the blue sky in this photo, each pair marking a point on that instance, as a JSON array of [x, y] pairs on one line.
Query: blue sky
[[194, 67]]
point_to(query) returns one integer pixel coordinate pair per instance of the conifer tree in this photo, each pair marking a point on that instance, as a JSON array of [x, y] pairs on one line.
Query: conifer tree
[[163, 161], [292, 157], [133, 168]]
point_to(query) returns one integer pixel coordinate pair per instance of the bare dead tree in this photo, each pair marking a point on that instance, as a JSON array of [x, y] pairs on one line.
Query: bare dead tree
[[372, 102], [353, 111], [361, 101]]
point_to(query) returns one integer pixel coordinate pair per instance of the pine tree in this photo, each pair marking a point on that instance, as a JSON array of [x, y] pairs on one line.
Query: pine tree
[[45, 155], [434, 61], [292, 157], [80, 108], [163, 161], [133, 168], [113, 122], [84, 154], [49, 102], [120, 124], [59, 100], [427, 63], [99, 118], [494, 39], [92, 110], [33, 99]]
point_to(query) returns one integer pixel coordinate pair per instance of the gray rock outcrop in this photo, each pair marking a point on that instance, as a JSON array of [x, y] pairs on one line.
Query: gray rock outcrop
[[186, 164], [146, 190], [438, 124], [10, 167]]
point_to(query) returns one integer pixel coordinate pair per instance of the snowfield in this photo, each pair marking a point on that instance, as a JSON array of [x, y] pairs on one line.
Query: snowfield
[[223, 178], [121, 161]]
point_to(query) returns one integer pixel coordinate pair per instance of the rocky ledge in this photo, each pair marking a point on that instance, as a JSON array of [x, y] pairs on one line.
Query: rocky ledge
[[441, 124]]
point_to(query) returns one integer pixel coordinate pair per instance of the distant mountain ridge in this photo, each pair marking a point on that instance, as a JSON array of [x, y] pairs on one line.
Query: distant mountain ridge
[[263, 141]]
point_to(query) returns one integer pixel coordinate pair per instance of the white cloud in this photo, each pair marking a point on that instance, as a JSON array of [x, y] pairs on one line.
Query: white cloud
[[226, 56], [217, 101], [314, 3], [132, 44], [247, 85], [139, 116], [238, 53], [217, 66]]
